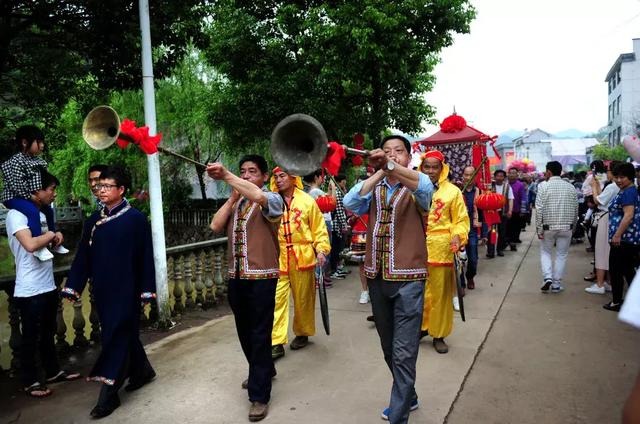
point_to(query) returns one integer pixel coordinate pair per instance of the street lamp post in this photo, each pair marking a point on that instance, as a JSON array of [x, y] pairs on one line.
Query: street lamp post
[[153, 169]]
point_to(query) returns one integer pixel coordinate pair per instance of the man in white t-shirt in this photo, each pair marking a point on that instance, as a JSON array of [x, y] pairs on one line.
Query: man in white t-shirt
[[500, 186], [36, 295]]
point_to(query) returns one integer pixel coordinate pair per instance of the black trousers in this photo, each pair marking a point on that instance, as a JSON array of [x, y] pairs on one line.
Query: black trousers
[[337, 244], [622, 262], [252, 303], [514, 227], [38, 317], [501, 229]]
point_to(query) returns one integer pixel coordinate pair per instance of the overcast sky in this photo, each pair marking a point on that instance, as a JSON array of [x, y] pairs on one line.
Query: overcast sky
[[535, 64]]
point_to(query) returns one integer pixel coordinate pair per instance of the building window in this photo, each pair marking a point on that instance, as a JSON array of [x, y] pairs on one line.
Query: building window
[[619, 134], [613, 86], [618, 106], [609, 86], [610, 139], [609, 118], [618, 76]]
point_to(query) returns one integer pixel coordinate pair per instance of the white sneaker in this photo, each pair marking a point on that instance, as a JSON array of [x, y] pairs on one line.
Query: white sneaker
[[594, 289], [60, 250], [456, 304], [607, 287], [43, 254], [364, 297]]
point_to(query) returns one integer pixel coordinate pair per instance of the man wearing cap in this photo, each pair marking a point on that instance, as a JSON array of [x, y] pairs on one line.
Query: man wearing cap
[[304, 242], [447, 231], [396, 198], [251, 218]]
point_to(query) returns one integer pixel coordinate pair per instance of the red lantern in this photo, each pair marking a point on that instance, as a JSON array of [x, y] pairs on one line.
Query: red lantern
[[489, 203], [326, 203]]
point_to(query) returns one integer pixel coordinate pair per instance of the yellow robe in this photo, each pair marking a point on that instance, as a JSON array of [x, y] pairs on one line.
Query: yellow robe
[[303, 233], [304, 222], [448, 217]]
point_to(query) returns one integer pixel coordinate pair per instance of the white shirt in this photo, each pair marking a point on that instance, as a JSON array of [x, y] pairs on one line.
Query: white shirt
[[630, 312], [500, 190], [607, 195], [33, 276]]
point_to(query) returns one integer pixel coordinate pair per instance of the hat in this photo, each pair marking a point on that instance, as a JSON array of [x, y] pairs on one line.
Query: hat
[[297, 181]]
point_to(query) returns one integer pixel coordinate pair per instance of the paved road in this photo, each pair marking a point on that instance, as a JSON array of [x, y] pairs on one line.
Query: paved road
[[521, 357]]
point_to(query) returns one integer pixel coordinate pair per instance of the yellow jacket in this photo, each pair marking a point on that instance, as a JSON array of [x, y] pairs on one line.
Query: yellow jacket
[[447, 217], [303, 232]]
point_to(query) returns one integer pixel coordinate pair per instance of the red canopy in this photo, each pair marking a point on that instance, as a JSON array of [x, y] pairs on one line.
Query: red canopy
[[466, 134]]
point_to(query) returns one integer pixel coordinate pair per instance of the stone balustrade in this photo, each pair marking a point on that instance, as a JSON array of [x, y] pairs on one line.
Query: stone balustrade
[[197, 278]]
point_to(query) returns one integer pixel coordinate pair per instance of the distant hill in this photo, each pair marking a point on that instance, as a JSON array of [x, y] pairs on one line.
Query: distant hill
[[571, 133]]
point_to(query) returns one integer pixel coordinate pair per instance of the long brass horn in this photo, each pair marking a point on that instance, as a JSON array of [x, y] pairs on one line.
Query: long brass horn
[[299, 144], [101, 128]]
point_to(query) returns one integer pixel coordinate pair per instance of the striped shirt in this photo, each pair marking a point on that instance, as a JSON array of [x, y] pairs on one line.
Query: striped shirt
[[556, 205]]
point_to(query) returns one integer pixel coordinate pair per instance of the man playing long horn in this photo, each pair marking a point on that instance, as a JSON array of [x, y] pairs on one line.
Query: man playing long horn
[[251, 217], [447, 231], [304, 242], [396, 199]]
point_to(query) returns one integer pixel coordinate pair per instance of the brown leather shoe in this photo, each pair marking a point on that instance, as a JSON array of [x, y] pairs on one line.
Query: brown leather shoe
[[299, 342], [471, 284], [440, 346], [258, 411]]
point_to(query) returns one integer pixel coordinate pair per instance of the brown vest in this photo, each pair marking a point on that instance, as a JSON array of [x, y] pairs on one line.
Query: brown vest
[[395, 237], [252, 244]]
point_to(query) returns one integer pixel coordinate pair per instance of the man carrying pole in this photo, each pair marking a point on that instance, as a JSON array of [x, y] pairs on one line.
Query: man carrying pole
[[251, 217], [447, 230], [304, 242], [395, 262]]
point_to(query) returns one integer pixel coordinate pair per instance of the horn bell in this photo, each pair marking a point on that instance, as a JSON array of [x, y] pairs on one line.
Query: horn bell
[[299, 144], [101, 127]]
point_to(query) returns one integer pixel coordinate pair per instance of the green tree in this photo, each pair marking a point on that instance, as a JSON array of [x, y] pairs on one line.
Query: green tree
[[605, 152], [46, 47], [357, 66]]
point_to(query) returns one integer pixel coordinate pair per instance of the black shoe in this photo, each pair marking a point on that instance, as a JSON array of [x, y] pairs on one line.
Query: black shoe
[[490, 256], [108, 401], [545, 286], [513, 248], [277, 351], [370, 318], [299, 342], [500, 253], [615, 307], [424, 334], [136, 384], [518, 241]]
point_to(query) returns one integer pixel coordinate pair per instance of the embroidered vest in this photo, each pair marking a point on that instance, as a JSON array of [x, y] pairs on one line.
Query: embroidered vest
[[252, 245], [395, 237]]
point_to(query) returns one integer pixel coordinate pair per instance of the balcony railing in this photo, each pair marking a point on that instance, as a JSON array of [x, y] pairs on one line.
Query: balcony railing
[[197, 277]]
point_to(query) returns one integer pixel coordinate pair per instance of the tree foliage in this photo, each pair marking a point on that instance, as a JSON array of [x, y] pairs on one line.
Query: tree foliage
[[357, 66], [46, 47], [603, 151]]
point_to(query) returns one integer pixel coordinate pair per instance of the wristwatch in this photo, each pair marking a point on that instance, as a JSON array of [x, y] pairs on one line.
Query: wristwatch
[[391, 165]]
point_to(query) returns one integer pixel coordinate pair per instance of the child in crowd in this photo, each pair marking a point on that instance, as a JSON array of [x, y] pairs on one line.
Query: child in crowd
[[22, 177]]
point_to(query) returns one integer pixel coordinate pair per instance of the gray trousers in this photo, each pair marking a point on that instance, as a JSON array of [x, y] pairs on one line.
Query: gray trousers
[[397, 308]]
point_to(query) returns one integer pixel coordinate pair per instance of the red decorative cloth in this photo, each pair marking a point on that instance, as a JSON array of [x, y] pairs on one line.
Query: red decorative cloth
[[140, 136], [333, 159]]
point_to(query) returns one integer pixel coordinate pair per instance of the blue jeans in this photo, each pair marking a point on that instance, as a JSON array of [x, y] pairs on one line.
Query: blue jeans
[[30, 210]]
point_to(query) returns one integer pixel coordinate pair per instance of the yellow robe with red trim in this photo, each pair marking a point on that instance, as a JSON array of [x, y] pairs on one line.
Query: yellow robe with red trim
[[303, 233], [448, 217]]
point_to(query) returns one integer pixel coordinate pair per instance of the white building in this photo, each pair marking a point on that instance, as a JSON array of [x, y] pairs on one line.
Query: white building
[[570, 152], [535, 146], [623, 81]]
